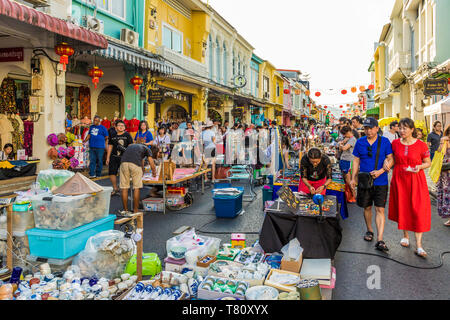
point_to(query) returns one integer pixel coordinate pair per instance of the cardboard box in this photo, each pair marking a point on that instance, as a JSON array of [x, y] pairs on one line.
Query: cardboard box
[[280, 286], [292, 265]]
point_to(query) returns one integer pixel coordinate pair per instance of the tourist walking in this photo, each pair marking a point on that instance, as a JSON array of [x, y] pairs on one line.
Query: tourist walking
[[434, 138], [371, 152], [98, 140], [392, 133], [409, 200]]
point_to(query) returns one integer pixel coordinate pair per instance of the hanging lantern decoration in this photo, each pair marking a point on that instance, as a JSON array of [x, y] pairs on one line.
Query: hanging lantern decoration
[[362, 88], [354, 89], [318, 94], [341, 107], [286, 91], [371, 87], [307, 92], [325, 107], [298, 92], [344, 91], [64, 51], [95, 73], [136, 82]]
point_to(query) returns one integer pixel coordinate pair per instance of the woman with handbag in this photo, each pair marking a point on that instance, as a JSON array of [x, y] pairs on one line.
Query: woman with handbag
[[409, 201], [443, 185]]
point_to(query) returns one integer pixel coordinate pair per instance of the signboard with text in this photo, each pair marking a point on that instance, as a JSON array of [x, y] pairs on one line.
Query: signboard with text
[[11, 54], [433, 87], [155, 96]]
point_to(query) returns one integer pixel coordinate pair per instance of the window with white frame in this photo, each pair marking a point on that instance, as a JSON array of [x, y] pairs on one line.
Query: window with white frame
[[266, 84], [172, 39], [114, 7], [225, 65]]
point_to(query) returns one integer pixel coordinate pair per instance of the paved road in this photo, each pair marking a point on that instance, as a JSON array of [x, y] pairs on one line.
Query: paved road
[[396, 281]]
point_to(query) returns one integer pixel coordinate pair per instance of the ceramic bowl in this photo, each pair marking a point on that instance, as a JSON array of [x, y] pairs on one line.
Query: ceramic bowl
[[178, 252], [254, 293]]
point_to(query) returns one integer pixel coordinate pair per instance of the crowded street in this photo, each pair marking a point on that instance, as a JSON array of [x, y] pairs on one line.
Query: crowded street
[[176, 150]]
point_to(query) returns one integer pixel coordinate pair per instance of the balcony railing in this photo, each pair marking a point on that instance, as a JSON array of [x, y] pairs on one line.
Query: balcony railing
[[400, 63], [183, 64]]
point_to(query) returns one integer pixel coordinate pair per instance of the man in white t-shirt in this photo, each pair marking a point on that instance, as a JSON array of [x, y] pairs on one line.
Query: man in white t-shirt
[[392, 134]]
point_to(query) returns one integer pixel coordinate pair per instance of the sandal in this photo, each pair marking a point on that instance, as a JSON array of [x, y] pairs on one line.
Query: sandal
[[447, 224], [368, 236], [115, 193], [381, 245], [421, 253], [404, 243]]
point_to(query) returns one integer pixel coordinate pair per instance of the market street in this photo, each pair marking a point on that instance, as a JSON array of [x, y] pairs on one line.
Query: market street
[[398, 282]]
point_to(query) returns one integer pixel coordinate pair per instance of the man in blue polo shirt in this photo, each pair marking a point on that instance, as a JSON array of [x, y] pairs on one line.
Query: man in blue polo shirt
[[365, 152]]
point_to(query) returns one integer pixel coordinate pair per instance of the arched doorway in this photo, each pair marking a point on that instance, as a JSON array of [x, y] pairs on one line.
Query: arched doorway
[[176, 112], [110, 103], [213, 115]]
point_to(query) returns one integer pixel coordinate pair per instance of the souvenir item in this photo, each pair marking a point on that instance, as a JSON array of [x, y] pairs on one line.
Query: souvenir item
[[52, 140]]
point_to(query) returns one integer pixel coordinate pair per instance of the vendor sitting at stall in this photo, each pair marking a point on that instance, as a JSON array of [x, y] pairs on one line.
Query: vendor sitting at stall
[[315, 172], [8, 149]]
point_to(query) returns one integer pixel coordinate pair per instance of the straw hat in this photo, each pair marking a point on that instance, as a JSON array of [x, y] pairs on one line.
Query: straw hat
[[77, 185], [208, 124]]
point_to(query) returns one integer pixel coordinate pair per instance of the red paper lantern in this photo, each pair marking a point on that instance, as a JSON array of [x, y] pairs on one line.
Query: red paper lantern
[[307, 92], [341, 107], [317, 94], [136, 81], [95, 73], [65, 51], [344, 91], [286, 91], [353, 89], [362, 88], [325, 107], [371, 87]]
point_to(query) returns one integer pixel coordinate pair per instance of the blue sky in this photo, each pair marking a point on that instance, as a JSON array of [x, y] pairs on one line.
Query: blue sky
[[333, 40]]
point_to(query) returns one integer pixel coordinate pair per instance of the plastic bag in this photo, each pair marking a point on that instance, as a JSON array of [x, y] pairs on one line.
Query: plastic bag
[[52, 178], [292, 250], [436, 164], [106, 255], [191, 241]]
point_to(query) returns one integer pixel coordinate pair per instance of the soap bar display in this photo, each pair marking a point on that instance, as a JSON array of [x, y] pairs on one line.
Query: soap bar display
[[68, 212]]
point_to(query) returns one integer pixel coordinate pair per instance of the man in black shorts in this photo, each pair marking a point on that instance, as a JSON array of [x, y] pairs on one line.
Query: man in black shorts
[[365, 152], [118, 142]]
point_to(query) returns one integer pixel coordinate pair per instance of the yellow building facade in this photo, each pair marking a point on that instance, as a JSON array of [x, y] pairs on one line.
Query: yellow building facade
[[178, 32]]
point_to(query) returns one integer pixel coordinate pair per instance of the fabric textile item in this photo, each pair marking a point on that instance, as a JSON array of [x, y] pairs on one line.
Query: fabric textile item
[[84, 96], [316, 184], [25, 171], [409, 200], [130, 171], [52, 153], [6, 165], [375, 196], [318, 240], [367, 154], [52, 140], [6, 130], [133, 125], [106, 123], [443, 190], [8, 96], [96, 161]]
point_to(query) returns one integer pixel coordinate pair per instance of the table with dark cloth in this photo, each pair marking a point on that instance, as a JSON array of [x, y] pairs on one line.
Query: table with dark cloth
[[339, 195], [319, 240], [24, 170]]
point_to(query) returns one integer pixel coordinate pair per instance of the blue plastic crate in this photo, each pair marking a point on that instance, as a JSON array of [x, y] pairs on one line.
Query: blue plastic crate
[[57, 244], [222, 185], [228, 206]]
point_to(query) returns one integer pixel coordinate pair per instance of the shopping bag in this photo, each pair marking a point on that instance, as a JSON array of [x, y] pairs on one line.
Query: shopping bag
[[436, 164]]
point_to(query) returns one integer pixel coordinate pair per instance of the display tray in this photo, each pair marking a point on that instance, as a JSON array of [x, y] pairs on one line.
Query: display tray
[[330, 207]]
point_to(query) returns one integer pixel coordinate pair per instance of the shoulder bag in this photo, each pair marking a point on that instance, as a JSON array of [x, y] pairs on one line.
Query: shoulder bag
[[365, 179]]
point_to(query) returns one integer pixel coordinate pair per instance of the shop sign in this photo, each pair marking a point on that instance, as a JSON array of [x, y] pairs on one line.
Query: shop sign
[[433, 87], [155, 96], [11, 54]]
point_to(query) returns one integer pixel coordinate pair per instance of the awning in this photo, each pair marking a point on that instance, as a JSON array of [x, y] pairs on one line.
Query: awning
[[439, 107], [135, 57], [373, 111], [44, 21]]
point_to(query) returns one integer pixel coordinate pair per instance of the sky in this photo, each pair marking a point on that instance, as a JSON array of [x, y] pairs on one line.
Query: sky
[[332, 40]]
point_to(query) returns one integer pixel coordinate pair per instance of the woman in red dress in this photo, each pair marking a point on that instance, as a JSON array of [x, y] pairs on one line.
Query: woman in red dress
[[409, 201]]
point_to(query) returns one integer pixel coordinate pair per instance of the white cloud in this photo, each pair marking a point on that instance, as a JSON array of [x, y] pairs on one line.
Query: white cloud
[[333, 40]]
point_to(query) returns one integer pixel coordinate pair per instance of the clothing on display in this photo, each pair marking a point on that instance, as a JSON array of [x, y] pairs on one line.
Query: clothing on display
[[8, 96], [106, 123], [85, 102]]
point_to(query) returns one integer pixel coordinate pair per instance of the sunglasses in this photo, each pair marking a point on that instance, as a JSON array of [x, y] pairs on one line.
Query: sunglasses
[[369, 151]]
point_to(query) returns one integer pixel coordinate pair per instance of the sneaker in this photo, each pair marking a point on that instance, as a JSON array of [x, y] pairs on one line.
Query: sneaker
[[92, 177]]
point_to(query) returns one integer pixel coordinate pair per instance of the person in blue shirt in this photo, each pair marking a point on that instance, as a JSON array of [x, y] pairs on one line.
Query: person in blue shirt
[[365, 152], [98, 140], [144, 136]]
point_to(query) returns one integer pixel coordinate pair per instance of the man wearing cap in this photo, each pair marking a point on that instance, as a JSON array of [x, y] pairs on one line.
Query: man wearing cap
[[372, 178]]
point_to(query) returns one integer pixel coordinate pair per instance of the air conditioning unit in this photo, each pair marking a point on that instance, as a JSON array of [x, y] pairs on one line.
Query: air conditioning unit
[[94, 24], [130, 37]]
